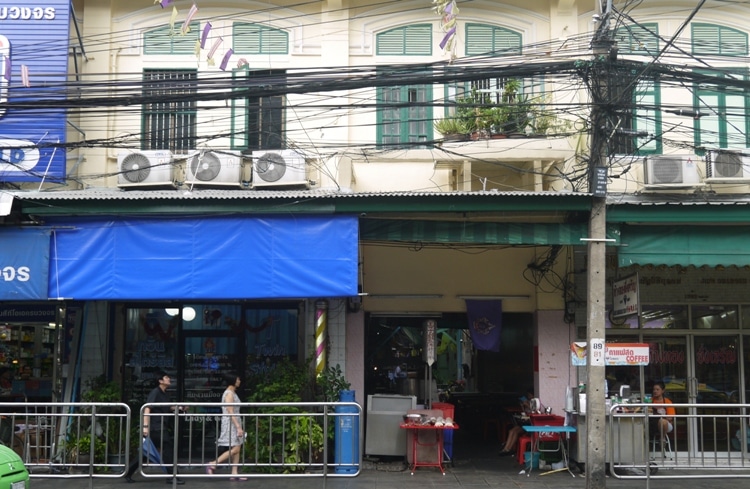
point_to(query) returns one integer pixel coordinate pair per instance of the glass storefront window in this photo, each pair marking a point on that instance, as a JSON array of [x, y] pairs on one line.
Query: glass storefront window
[[715, 317], [664, 317]]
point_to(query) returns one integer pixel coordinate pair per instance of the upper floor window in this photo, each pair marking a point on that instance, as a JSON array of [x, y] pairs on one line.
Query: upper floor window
[[638, 39], [258, 121], [488, 39], [259, 39], [404, 113], [716, 39], [640, 120], [411, 40], [169, 118], [724, 109], [168, 41]]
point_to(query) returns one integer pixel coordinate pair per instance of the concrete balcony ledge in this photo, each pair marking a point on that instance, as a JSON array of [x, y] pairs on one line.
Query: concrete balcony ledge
[[508, 149]]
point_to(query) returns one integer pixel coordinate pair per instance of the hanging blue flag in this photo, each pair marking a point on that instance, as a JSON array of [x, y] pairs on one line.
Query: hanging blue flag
[[485, 321]]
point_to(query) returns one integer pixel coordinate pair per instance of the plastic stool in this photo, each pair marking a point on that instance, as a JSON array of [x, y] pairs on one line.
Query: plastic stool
[[524, 445]]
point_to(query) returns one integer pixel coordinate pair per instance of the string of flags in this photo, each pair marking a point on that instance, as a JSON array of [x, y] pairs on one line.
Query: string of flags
[[448, 12], [7, 72], [200, 45]]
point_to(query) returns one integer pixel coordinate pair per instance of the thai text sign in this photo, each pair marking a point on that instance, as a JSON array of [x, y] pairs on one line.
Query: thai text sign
[[625, 297]]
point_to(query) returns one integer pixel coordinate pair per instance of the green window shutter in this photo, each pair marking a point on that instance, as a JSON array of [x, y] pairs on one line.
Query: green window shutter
[[724, 123], [483, 39], [647, 118], [638, 39], [716, 39], [404, 118], [165, 40], [239, 111], [411, 40], [259, 39]]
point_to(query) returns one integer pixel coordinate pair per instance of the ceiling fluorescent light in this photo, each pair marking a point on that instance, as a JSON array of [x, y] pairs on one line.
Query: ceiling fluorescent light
[[492, 297], [404, 296]]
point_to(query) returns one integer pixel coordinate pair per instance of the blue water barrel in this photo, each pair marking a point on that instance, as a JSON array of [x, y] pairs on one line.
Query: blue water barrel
[[346, 437]]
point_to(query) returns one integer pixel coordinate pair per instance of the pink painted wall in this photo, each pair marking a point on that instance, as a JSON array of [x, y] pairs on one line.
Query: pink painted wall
[[553, 338]]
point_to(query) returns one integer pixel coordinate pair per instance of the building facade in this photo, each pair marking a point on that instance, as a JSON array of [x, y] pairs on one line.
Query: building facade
[[235, 172]]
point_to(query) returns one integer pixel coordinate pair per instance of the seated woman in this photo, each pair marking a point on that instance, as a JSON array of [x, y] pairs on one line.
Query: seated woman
[[661, 418], [509, 448]]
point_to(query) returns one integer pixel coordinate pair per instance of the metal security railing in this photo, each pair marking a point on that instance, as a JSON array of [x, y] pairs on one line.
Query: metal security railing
[[68, 439], [303, 439], [282, 439], [707, 440]]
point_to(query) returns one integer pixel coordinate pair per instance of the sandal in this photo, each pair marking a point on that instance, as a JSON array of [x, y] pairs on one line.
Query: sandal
[[210, 470], [233, 479]]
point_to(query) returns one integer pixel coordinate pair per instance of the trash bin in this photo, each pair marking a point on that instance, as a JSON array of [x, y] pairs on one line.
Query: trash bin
[[346, 437]]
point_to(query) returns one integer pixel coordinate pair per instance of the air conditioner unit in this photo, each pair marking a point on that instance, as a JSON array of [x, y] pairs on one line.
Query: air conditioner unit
[[214, 169], [677, 171], [145, 169], [727, 166], [280, 168]]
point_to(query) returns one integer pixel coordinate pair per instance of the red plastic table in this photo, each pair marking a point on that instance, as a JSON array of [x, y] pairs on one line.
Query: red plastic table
[[438, 444]]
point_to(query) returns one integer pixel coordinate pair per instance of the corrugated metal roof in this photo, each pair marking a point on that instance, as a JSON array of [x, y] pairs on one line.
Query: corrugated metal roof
[[226, 194], [678, 199]]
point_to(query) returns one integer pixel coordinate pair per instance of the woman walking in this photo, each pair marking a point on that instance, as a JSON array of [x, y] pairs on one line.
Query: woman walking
[[232, 436]]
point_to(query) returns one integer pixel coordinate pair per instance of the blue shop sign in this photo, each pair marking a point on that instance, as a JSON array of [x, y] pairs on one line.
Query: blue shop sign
[[24, 264]]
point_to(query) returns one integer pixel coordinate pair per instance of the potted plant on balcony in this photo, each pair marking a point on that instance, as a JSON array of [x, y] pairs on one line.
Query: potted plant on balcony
[[452, 129], [483, 117]]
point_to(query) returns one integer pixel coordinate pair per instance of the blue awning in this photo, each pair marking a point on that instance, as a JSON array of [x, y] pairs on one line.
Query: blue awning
[[24, 262], [270, 257]]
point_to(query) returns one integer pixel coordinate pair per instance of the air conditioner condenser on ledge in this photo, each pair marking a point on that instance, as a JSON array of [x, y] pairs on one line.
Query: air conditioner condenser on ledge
[[205, 168], [677, 171], [727, 166], [152, 168], [279, 168]]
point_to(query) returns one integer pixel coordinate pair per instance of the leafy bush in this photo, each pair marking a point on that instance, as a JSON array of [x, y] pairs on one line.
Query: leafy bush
[[290, 440]]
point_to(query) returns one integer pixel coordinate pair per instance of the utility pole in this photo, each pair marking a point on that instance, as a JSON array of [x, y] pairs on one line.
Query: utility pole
[[596, 256]]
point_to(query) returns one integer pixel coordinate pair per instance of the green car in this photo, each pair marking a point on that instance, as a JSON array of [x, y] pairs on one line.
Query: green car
[[13, 473]]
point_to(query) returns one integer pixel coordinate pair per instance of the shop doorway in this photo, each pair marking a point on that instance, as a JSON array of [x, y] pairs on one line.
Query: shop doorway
[[697, 368]]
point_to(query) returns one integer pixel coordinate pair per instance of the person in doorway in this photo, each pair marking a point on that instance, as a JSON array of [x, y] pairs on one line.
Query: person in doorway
[[662, 417], [509, 448], [158, 428], [232, 435]]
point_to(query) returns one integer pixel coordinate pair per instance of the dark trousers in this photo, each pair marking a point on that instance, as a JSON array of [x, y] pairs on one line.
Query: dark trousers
[[164, 442]]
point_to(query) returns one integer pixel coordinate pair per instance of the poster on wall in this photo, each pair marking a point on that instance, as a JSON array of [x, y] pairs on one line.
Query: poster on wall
[[34, 41]]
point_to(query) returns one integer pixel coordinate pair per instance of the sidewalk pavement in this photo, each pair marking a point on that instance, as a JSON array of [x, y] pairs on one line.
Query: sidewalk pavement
[[477, 472]]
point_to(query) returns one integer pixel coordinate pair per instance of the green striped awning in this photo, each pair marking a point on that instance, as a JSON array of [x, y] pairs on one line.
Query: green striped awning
[[486, 233], [685, 246]]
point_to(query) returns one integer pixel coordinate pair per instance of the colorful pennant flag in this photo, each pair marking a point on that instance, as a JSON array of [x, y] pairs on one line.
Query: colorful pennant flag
[[225, 61], [242, 62], [172, 19], [25, 76], [190, 15], [211, 53], [204, 36], [7, 63]]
